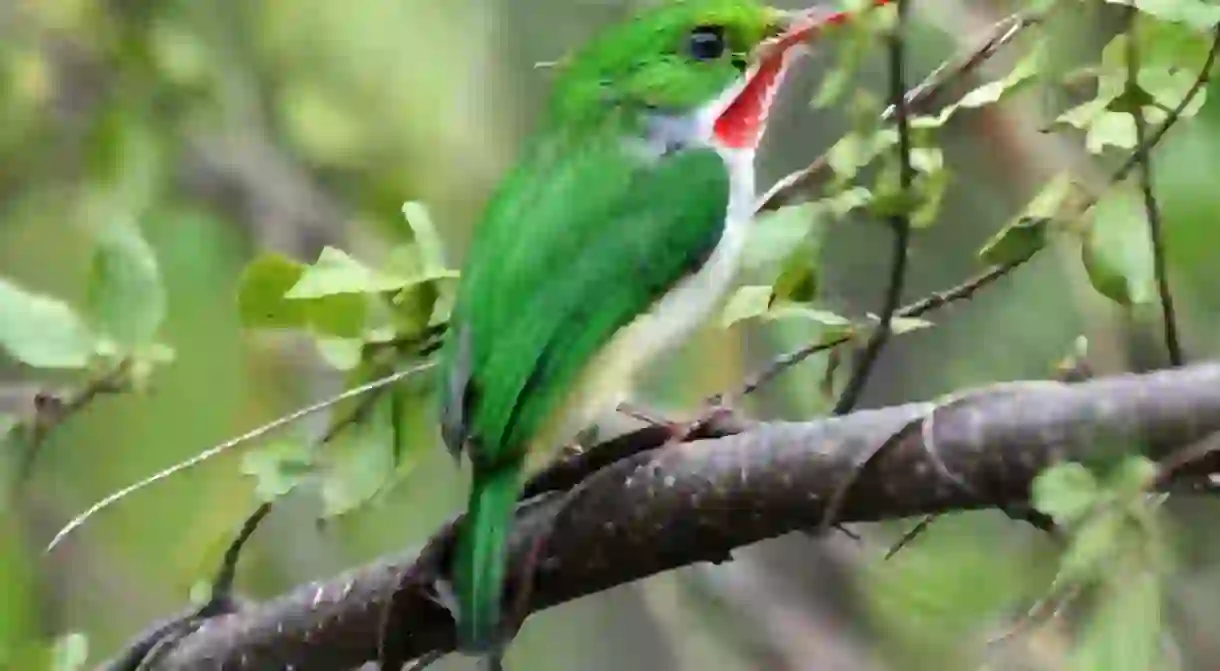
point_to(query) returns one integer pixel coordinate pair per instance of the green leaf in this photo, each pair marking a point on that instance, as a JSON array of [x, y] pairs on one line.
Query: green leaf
[[1117, 252], [70, 652], [427, 240], [798, 278], [336, 273], [901, 325], [127, 300], [1198, 14], [341, 353], [1061, 200], [1111, 129], [278, 467], [835, 324], [1096, 542], [1083, 115], [339, 315], [41, 331], [359, 462], [1132, 475], [746, 303], [856, 150], [845, 201], [261, 290], [1024, 72], [1066, 492], [1125, 633], [1017, 241], [773, 235]]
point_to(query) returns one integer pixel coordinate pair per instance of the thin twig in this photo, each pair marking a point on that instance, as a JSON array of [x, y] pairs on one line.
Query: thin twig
[[1151, 208], [235, 442], [790, 188], [1175, 114], [52, 410], [222, 586], [963, 291], [900, 223]]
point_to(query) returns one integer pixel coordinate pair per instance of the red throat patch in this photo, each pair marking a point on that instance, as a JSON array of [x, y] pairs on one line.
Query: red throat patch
[[741, 124]]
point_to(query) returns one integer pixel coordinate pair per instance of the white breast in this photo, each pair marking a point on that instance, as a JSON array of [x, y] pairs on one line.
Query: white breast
[[609, 378]]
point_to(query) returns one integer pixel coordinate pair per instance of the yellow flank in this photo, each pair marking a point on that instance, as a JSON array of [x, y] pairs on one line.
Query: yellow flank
[[604, 383]]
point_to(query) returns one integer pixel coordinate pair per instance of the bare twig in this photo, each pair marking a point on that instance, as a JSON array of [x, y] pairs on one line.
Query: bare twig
[[900, 223], [244, 438], [963, 291], [52, 410]]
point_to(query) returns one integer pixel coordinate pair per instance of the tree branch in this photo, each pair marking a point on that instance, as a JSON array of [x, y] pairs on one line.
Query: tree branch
[[696, 502]]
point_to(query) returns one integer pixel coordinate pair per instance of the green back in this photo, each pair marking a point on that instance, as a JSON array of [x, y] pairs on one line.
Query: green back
[[581, 238]]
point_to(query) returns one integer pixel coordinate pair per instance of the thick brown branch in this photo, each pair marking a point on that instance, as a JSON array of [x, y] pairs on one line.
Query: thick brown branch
[[696, 502]]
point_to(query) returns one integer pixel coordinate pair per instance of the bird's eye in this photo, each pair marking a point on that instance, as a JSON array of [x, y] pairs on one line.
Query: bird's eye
[[707, 43]]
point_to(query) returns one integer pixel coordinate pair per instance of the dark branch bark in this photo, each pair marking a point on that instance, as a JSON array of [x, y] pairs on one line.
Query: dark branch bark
[[696, 502]]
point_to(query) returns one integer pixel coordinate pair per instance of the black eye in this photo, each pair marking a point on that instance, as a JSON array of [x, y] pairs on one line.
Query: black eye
[[707, 43]]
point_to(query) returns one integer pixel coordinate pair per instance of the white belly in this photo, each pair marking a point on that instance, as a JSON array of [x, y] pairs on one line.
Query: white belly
[[610, 376]]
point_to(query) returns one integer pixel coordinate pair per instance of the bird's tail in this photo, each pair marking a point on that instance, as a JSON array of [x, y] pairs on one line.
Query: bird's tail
[[481, 557]]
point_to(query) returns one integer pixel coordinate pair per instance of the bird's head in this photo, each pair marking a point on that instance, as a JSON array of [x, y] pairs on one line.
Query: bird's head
[[713, 63]]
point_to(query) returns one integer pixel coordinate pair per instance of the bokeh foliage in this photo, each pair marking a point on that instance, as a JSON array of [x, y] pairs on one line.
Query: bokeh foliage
[[204, 200]]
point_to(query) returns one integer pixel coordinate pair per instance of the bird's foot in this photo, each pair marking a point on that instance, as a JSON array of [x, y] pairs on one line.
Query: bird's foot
[[680, 432]]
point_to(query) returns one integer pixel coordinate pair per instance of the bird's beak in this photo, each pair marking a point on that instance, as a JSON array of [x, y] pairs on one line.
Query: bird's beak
[[790, 29]]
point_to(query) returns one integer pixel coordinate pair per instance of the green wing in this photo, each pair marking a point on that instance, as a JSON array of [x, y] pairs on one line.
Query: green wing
[[575, 245]]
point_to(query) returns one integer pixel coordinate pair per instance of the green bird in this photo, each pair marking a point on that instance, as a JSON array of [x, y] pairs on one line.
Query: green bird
[[613, 237]]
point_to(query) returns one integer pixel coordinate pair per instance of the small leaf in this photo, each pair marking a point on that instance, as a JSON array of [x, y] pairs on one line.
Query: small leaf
[[1197, 14], [278, 467], [824, 318], [1017, 241], [1117, 253], [261, 290], [1060, 201], [359, 463], [1094, 544], [798, 278], [901, 325], [1111, 129], [70, 652], [341, 353], [773, 235], [337, 273], [1066, 492], [339, 315], [127, 300], [41, 331], [746, 303], [1083, 115], [427, 240], [1132, 475], [847, 200]]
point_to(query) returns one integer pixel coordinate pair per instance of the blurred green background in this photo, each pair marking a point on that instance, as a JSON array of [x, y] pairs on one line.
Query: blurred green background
[[229, 128]]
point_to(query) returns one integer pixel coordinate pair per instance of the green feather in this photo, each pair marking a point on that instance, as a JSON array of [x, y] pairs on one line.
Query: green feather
[[610, 234], [584, 235], [480, 555]]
